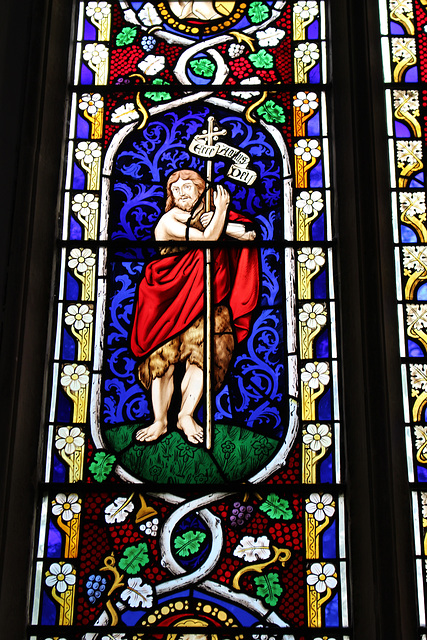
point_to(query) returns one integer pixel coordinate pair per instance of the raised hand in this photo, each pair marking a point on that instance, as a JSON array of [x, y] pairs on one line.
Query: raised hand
[[221, 198]]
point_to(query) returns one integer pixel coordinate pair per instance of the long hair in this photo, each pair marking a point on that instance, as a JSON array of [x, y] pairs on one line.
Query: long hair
[[184, 174]]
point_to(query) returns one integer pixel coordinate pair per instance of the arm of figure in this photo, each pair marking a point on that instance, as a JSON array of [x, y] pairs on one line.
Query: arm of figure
[[237, 231], [234, 230], [172, 225]]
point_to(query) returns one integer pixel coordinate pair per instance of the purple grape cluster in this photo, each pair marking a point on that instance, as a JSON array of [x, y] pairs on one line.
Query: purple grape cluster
[[240, 513], [148, 43], [95, 586]]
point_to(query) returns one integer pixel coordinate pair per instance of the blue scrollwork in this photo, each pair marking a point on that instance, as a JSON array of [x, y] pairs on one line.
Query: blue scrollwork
[[255, 385], [257, 381]]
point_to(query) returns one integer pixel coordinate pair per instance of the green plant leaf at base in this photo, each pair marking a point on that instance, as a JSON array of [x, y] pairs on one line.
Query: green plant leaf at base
[[189, 543], [102, 465], [237, 453], [269, 588], [276, 508], [134, 558]]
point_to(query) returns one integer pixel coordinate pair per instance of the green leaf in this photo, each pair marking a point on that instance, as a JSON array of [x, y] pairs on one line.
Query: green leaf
[[101, 466], [258, 12], [262, 59], [134, 558], [269, 588], [158, 96], [203, 67], [189, 543], [126, 36], [271, 112], [276, 508]]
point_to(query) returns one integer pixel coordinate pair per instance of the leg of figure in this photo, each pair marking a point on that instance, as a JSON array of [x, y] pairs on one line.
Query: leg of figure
[[161, 396], [192, 390]]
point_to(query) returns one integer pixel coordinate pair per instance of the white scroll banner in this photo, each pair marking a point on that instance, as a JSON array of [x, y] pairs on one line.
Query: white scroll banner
[[239, 169]]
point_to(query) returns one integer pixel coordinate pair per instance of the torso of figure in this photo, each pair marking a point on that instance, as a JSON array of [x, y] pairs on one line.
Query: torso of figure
[[173, 224], [170, 219], [188, 220]]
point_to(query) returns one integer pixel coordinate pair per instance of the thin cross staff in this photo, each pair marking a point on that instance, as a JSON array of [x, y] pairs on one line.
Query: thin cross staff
[[209, 328]]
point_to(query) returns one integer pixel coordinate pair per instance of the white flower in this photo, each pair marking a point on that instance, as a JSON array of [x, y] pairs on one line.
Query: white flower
[[78, 316], [250, 549], [420, 436], [322, 577], [98, 9], [313, 314], [424, 503], [415, 258], [152, 65], [125, 113], [248, 94], [236, 50], [311, 257], [149, 16], [66, 506], [61, 576], [413, 204], [69, 439], [317, 436], [403, 48], [408, 101], [95, 53], [81, 259], [315, 374], [307, 51], [319, 506], [118, 510], [74, 376], [306, 9], [306, 101], [84, 203], [88, 151], [270, 37], [402, 5], [91, 102], [408, 152], [139, 595], [307, 149], [307, 201], [150, 527], [418, 376], [417, 316]]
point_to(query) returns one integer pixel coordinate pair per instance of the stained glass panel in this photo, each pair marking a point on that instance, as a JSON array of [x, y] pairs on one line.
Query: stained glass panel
[[193, 448], [403, 29]]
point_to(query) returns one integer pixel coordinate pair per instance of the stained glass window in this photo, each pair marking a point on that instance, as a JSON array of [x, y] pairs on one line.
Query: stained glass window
[[403, 33], [192, 447]]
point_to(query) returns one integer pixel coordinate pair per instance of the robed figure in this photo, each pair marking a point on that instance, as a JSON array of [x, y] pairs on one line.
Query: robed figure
[[169, 314]]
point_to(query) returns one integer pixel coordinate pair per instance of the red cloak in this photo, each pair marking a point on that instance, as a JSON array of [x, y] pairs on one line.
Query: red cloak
[[171, 293]]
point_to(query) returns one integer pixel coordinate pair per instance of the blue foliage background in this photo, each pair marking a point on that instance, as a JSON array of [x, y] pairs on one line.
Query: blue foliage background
[[253, 393]]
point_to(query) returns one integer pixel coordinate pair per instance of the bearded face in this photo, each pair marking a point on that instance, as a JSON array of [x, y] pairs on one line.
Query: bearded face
[[185, 194]]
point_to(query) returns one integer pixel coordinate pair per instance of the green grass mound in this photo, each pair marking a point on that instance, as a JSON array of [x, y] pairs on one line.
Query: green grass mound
[[236, 454]]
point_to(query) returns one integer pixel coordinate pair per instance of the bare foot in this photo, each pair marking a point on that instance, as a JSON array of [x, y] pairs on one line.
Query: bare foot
[[154, 431], [192, 430]]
